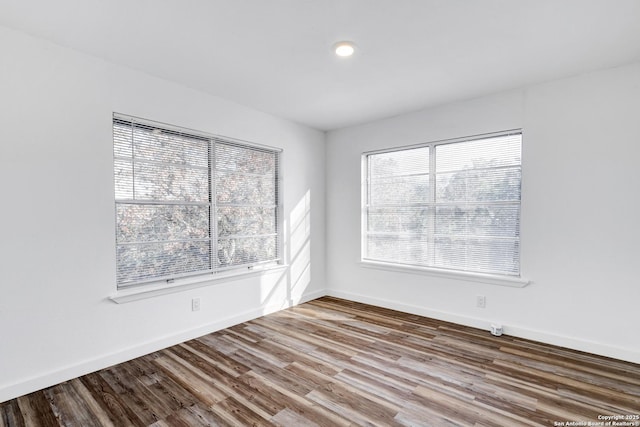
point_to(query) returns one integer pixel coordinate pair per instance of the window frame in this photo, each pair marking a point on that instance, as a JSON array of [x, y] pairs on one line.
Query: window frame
[[451, 273], [153, 285]]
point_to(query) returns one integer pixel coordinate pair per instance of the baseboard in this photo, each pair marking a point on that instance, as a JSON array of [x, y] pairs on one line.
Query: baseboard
[[516, 331], [29, 385]]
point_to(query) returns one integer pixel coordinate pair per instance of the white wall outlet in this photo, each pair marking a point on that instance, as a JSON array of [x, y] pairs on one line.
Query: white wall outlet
[[481, 301], [195, 304]]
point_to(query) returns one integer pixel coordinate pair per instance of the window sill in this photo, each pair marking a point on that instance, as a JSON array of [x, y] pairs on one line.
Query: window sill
[[514, 282], [179, 285]]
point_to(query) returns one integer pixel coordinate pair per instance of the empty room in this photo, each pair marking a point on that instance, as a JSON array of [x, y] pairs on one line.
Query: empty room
[[320, 213]]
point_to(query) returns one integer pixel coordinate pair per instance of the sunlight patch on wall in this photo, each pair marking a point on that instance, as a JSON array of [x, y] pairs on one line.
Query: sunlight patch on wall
[[300, 247]]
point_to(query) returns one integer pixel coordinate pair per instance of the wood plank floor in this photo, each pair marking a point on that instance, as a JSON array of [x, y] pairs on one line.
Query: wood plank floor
[[332, 362]]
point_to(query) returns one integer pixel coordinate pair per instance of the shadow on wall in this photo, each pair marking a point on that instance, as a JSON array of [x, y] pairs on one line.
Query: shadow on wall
[[291, 285]]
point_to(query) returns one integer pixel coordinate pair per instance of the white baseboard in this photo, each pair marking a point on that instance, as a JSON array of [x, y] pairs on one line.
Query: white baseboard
[[516, 331], [47, 379]]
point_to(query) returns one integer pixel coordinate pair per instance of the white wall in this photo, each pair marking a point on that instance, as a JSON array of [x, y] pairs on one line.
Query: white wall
[[580, 213], [57, 231]]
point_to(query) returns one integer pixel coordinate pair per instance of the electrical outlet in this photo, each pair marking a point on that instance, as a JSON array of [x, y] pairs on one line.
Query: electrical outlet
[[481, 301], [195, 304]]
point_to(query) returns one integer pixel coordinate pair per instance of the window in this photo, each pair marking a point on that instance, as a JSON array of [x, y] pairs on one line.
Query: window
[[451, 205], [188, 203]]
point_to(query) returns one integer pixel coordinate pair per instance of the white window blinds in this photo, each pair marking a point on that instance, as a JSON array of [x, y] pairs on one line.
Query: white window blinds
[[451, 205], [190, 204], [246, 205]]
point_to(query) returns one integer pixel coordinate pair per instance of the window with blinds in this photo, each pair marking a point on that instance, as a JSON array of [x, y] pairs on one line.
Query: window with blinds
[[451, 205], [189, 204]]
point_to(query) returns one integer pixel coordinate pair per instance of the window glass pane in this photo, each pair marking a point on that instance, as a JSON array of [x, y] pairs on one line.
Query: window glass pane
[[232, 158], [145, 223], [405, 162], [123, 171], [241, 251], [234, 188], [399, 190], [499, 256], [246, 196], [412, 250], [144, 261], [168, 182], [159, 240], [479, 185], [164, 146], [246, 221], [478, 220], [480, 153], [399, 219], [122, 139]]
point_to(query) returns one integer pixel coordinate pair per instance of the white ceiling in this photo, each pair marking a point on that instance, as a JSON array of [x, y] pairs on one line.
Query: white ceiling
[[274, 55]]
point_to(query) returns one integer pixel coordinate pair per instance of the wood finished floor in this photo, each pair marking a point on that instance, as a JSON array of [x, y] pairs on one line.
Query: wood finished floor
[[332, 362]]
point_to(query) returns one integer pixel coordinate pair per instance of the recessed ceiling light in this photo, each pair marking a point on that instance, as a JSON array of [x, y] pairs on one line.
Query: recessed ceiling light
[[344, 49]]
